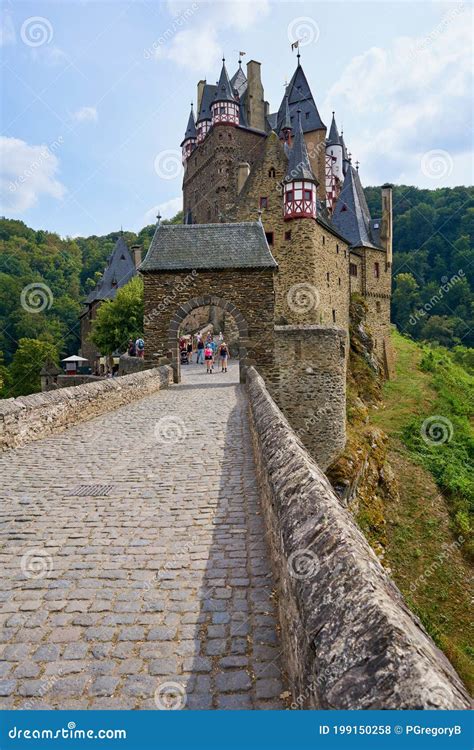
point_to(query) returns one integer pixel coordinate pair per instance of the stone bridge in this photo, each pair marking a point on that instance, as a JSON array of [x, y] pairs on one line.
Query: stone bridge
[[167, 545]]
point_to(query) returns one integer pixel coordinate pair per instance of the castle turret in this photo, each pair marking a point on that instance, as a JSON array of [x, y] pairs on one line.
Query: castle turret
[[205, 97], [224, 107], [286, 127], [189, 142], [346, 162], [334, 149], [300, 182]]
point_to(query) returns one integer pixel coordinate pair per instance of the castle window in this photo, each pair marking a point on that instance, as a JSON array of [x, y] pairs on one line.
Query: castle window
[[345, 253], [378, 306], [289, 196], [377, 270], [324, 240], [271, 172], [308, 195], [288, 236], [337, 249], [269, 236], [339, 281], [344, 207], [307, 115], [263, 202], [327, 276], [352, 269], [333, 316]]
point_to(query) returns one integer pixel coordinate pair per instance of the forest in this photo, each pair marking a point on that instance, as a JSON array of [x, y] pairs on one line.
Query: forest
[[44, 279]]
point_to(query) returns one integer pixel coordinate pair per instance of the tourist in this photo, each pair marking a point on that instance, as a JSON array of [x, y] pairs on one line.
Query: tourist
[[223, 355], [200, 351], [190, 350], [132, 349], [209, 357], [140, 347]]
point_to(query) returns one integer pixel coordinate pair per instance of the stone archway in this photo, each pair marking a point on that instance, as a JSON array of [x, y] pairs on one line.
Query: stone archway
[[205, 300]]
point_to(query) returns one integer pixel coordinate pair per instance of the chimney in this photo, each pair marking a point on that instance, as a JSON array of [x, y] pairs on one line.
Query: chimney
[[386, 230], [136, 254], [200, 89], [255, 100], [243, 171]]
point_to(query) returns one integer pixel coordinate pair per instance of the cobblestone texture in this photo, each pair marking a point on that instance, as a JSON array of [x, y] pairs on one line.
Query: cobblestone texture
[[166, 578]]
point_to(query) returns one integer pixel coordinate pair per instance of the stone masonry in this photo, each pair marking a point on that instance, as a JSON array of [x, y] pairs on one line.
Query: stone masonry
[[108, 598]]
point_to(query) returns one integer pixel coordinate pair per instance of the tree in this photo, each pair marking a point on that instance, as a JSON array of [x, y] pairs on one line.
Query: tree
[[405, 300], [29, 358], [120, 319]]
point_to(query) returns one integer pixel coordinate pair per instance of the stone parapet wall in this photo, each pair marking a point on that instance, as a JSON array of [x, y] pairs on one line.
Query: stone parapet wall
[[33, 417], [349, 640]]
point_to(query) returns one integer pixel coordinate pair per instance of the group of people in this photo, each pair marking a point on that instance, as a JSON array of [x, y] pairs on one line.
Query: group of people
[[208, 351], [136, 348]]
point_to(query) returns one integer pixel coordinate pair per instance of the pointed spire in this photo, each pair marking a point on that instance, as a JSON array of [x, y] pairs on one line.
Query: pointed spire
[[299, 166], [333, 137], [351, 215], [224, 91], [191, 126], [286, 124]]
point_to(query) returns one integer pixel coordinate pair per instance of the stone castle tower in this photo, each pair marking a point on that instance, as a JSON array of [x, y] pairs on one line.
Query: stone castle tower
[[242, 161]]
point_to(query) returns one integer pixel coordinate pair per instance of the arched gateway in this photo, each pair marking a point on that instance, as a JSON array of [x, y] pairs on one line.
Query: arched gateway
[[228, 266]]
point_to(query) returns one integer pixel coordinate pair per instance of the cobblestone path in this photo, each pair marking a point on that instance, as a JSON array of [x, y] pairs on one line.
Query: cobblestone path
[[107, 599]]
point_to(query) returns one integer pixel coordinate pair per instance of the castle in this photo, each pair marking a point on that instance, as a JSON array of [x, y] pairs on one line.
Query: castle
[[277, 234], [240, 159]]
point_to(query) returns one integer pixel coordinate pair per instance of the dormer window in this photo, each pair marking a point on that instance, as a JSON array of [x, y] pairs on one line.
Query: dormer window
[[300, 199], [263, 202]]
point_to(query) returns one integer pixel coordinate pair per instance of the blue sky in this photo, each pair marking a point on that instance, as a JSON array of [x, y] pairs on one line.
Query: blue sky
[[96, 95]]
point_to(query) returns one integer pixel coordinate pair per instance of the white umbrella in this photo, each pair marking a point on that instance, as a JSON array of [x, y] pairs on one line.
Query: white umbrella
[[74, 358]]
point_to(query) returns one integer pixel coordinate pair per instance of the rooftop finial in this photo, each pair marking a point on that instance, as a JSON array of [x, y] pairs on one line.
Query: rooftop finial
[[241, 54], [349, 156], [357, 165], [158, 218], [260, 215]]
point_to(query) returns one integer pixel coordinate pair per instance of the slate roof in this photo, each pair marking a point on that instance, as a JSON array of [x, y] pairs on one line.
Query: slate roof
[[224, 91], [351, 216], [334, 136], [299, 167], [239, 81], [286, 121], [179, 247], [300, 97], [191, 127], [272, 120], [206, 101], [119, 270]]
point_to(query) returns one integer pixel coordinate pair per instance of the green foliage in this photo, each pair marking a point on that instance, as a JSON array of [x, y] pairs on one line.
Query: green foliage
[[444, 442], [119, 319], [29, 358], [433, 231]]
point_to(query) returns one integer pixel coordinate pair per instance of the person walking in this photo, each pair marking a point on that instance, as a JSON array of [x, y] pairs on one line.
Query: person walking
[[209, 357], [200, 351], [140, 347], [223, 356]]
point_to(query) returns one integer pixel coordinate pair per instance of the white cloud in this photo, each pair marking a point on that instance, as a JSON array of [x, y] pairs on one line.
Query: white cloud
[[27, 173], [7, 29], [167, 210], [198, 47], [85, 114], [413, 97]]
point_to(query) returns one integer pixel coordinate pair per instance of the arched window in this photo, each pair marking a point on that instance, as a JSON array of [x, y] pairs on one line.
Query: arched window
[[271, 172]]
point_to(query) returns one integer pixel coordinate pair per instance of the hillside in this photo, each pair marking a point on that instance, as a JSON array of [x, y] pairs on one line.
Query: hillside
[[407, 473]]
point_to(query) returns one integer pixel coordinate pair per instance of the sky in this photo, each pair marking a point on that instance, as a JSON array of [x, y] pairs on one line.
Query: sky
[[96, 95]]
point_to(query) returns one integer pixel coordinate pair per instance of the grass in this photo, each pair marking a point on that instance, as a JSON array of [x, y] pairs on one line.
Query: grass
[[427, 532]]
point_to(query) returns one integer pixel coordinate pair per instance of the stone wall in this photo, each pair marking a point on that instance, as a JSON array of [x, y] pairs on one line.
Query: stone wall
[[349, 640], [312, 284], [308, 382], [33, 417]]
